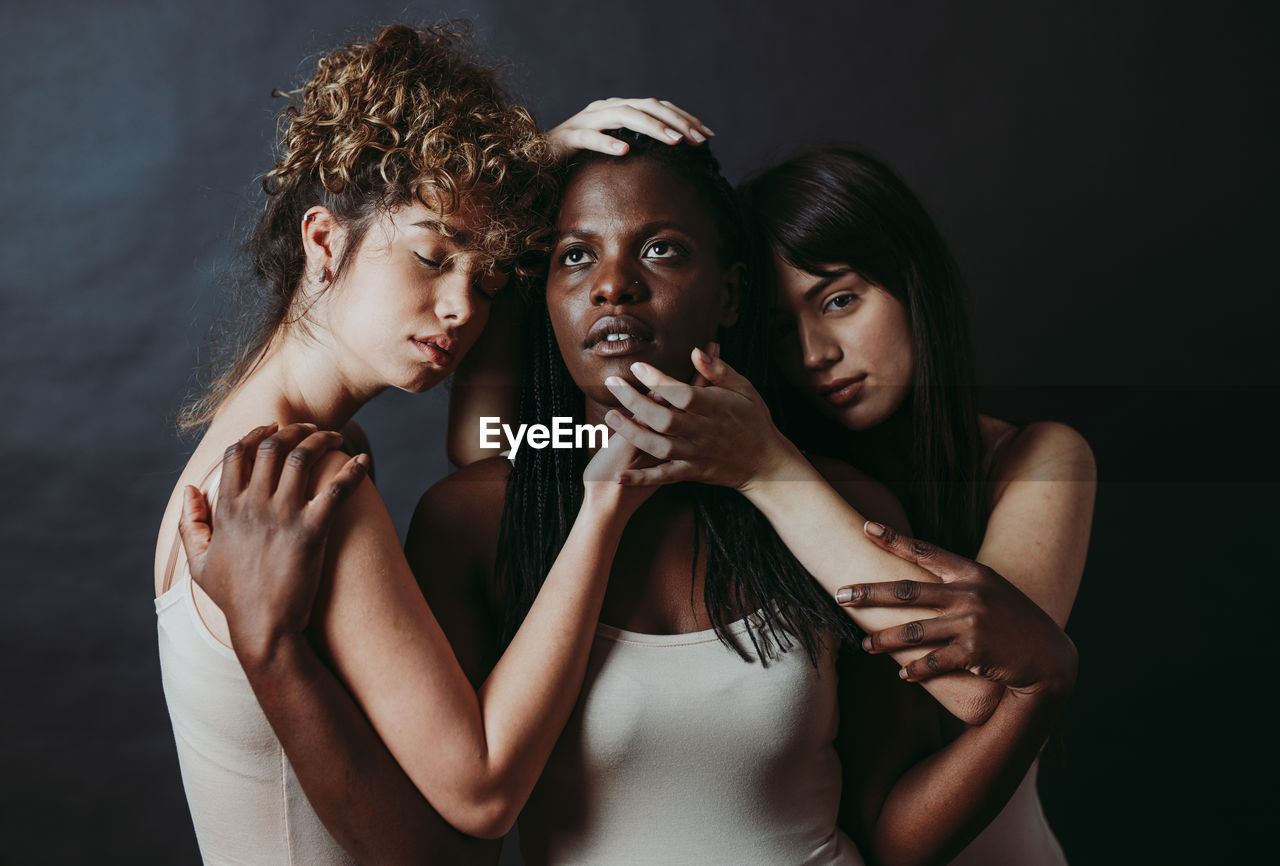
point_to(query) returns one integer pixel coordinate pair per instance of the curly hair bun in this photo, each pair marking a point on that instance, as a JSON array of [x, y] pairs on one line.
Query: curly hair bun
[[416, 110]]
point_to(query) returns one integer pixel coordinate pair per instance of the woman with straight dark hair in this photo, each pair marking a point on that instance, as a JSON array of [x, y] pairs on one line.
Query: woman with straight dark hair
[[708, 728], [869, 332]]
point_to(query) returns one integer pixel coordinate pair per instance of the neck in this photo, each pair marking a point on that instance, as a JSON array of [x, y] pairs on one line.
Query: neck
[[302, 378], [886, 451]]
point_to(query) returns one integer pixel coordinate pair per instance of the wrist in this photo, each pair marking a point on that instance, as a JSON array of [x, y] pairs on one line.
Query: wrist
[[261, 648], [782, 461]]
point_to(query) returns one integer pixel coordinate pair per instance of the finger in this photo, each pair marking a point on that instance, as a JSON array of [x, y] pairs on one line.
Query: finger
[[718, 372], [573, 140], [194, 527], [660, 419], [324, 506], [941, 661], [295, 478], [895, 593], [636, 119], [699, 380], [237, 462], [646, 440], [688, 118], [673, 116], [930, 557], [272, 451], [667, 472], [675, 392], [921, 632]]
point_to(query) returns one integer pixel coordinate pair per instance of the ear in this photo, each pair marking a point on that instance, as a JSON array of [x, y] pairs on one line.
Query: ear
[[731, 293], [322, 239]]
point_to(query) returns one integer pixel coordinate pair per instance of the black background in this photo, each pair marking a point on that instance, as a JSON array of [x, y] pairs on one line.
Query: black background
[[1104, 172]]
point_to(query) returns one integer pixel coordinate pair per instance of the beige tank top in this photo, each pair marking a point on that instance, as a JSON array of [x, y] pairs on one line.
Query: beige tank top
[[679, 752], [246, 803]]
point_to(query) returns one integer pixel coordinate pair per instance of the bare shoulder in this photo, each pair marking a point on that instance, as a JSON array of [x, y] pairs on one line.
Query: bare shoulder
[[465, 508], [1045, 451], [868, 497]]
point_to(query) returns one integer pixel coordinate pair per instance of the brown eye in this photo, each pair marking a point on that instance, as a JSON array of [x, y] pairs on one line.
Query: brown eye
[[840, 302]]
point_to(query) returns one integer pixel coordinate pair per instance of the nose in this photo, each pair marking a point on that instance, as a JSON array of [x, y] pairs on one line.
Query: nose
[[818, 350], [455, 302], [617, 284]]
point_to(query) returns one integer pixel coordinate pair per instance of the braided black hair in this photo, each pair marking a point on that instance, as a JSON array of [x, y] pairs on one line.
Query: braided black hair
[[748, 566]]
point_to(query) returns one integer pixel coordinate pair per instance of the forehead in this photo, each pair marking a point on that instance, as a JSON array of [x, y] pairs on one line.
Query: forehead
[[460, 227], [621, 195]]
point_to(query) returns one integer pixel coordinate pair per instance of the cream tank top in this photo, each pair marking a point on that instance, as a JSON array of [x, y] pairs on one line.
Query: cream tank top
[[679, 752], [246, 803]]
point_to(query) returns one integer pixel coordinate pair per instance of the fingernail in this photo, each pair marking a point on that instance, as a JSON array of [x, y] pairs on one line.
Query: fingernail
[[697, 136], [618, 147], [902, 673], [873, 528], [672, 134], [844, 595], [363, 460], [614, 382], [866, 644], [309, 425], [707, 129], [699, 355], [639, 368]]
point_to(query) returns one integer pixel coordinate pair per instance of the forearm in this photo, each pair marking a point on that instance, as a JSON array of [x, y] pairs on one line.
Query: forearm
[[824, 532], [943, 802], [529, 695], [358, 790]]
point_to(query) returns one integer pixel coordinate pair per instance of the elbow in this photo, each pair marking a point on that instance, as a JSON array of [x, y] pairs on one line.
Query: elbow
[[980, 704], [486, 815]]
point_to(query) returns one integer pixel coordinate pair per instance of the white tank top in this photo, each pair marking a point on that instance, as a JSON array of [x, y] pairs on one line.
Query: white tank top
[[1019, 836], [246, 803], [679, 752]]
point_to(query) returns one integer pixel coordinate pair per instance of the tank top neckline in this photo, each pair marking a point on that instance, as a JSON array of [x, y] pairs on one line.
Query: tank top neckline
[[706, 635]]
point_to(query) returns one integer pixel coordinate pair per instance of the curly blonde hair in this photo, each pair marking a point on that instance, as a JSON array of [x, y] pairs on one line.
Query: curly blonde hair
[[412, 114]]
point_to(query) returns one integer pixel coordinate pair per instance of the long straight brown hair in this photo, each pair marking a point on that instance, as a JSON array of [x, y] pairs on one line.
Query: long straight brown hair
[[838, 205]]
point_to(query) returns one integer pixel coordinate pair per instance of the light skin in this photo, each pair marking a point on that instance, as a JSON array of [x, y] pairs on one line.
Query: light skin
[[403, 311]]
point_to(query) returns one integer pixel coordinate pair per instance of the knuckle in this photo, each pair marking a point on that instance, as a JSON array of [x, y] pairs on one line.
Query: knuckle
[[905, 590], [932, 662], [300, 457], [890, 535], [913, 632], [269, 445], [922, 549], [235, 449]]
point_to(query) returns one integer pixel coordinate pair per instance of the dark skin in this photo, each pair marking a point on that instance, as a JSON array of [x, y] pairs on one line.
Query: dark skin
[[901, 808]]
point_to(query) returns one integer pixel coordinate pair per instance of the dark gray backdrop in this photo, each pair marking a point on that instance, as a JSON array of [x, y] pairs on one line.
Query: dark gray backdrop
[[1104, 173]]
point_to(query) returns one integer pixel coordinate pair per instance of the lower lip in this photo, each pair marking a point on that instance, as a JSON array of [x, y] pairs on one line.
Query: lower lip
[[614, 348], [845, 395], [434, 353]]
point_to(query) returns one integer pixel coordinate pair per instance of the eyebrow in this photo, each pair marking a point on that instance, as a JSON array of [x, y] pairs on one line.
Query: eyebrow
[[646, 229], [828, 277], [460, 237]]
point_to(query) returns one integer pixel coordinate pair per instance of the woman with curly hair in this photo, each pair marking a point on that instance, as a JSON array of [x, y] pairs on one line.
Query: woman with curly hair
[[407, 189], [714, 725]]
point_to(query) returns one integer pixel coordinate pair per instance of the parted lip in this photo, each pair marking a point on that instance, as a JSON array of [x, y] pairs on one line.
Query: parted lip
[[617, 325], [443, 342], [832, 387]]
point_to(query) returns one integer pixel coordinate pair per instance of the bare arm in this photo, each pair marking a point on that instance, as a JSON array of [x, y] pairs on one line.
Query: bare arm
[[1038, 533], [906, 804], [722, 434], [474, 758]]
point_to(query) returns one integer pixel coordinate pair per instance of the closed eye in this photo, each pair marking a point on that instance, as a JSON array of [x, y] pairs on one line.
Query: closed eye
[[431, 263]]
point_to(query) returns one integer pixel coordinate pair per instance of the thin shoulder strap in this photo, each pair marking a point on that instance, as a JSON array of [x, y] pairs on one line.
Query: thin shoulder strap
[[177, 539]]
